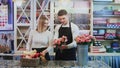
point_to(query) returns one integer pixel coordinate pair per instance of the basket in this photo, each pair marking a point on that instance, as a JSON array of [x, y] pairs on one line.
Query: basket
[[33, 62]]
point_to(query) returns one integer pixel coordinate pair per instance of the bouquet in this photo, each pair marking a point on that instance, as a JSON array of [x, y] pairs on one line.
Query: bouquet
[[60, 41], [85, 39]]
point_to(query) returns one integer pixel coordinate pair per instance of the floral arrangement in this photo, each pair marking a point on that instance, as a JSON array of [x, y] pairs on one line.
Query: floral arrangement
[[85, 39], [60, 41]]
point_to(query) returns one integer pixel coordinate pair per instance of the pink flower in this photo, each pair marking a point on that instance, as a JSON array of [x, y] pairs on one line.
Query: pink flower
[[84, 39], [59, 41]]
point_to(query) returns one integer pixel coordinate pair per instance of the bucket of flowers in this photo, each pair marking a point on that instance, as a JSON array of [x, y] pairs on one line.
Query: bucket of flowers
[[83, 41], [59, 42]]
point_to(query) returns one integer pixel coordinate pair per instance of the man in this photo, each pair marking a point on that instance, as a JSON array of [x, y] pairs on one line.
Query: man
[[70, 30]]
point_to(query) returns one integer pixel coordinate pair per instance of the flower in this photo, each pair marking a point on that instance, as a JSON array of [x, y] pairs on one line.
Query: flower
[[85, 39], [60, 41]]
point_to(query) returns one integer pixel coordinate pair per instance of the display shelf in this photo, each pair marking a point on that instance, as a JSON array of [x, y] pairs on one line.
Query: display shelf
[[105, 28], [22, 12], [104, 54], [23, 24], [27, 14], [106, 24], [109, 16], [107, 40], [105, 3]]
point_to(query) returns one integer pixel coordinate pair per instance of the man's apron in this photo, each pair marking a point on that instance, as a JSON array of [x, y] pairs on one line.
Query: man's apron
[[66, 54]]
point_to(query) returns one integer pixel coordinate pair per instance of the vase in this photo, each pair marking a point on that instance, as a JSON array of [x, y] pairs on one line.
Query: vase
[[82, 55]]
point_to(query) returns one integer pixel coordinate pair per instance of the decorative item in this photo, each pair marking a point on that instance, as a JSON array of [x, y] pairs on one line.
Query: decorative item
[[6, 15], [82, 48]]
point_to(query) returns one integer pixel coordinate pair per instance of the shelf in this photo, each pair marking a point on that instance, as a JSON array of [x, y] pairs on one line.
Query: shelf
[[104, 54], [108, 40], [27, 10], [104, 28], [106, 3], [21, 38], [47, 10], [106, 16], [23, 24], [26, 18]]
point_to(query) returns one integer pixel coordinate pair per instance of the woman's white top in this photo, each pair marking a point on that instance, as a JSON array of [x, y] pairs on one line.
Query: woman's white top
[[39, 40]]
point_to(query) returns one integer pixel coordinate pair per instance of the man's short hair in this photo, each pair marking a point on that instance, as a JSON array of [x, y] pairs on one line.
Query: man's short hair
[[62, 12]]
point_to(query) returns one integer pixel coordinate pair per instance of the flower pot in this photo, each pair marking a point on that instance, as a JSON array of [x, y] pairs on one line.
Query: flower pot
[[82, 55]]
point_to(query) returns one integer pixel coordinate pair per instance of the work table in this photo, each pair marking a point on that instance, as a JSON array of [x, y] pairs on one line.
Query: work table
[[94, 63], [54, 64]]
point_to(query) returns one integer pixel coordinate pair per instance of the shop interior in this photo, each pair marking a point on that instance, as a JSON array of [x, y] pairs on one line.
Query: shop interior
[[99, 18]]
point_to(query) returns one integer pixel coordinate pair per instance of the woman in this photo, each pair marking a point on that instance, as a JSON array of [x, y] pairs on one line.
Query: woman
[[40, 39]]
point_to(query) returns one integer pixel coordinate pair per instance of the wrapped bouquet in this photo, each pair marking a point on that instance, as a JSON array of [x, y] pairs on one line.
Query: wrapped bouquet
[[59, 42]]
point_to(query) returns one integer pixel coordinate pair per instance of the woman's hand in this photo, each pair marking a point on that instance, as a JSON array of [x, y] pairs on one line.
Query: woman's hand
[[44, 52], [43, 59]]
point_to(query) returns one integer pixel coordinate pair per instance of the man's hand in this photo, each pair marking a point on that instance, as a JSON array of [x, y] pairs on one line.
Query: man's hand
[[64, 47]]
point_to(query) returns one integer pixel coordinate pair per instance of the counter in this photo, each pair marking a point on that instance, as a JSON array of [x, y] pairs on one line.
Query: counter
[[54, 64]]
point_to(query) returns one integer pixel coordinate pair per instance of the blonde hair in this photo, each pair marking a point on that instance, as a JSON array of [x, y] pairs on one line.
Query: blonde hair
[[41, 22]]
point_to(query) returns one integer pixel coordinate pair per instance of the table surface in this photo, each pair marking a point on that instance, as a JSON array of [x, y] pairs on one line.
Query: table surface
[[54, 64], [90, 54]]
